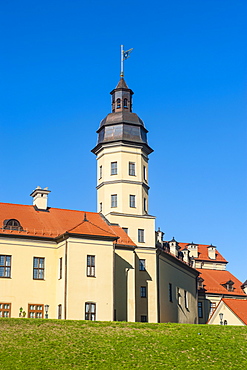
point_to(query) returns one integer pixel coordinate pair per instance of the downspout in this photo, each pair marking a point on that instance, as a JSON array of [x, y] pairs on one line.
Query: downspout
[[158, 252], [65, 280]]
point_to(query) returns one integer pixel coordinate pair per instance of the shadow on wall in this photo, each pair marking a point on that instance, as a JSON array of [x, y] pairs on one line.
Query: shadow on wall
[[122, 268], [141, 289]]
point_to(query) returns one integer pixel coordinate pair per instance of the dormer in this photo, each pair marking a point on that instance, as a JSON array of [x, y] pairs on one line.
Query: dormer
[[12, 224], [200, 281], [211, 252], [40, 198], [174, 247], [229, 285], [193, 248], [244, 286]]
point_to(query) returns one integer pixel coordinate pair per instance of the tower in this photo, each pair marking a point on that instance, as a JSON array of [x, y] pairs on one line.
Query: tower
[[122, 154]]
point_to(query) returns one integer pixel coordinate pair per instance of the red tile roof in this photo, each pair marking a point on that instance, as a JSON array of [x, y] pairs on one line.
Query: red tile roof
[[55, 222], [238, 306], [203, 253], [213, 280]]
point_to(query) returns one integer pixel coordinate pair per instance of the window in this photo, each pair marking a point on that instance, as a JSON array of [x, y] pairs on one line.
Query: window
[[178, 296], [35, 311], [113, 168], [142, 265], [125, 103], [200, 312], [59, 311], [145, 173], [126, 230], [90, 265], [143, 292], [118, 103], [100, 172], [170, 292], [186, 300], [132, 201], [144, 318], [113, 200], [5, 309], [212, 307], [5, 266], [145, 204], [132, 169], [140, 236], [60, 268], [100, 207], [90, 311], [38, 268], [12, 224]]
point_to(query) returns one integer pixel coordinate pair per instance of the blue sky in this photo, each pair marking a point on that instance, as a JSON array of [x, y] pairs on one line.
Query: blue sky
[[59, 61]]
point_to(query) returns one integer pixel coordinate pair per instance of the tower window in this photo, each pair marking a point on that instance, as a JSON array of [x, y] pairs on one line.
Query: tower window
[[132, 201], [125, 103], [145, 204], [140, 236], [100, 207], [113, 168], [113, 200], [125, 229], [143, 292], [132, 169], [118, 103], [145, 173], [100, 172], [142, 265]]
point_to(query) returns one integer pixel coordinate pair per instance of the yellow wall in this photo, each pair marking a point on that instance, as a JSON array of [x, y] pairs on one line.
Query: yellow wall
[[171, 271]]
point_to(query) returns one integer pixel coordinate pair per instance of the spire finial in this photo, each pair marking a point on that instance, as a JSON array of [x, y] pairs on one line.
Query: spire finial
[[85, 217]]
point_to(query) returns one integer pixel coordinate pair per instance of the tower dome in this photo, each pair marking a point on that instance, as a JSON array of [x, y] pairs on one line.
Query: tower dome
[[122, 125]]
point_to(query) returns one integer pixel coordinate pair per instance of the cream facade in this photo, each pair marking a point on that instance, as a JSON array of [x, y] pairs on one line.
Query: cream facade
[[109, 265]]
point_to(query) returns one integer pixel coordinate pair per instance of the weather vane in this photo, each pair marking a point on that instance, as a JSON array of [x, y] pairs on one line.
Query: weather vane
[[124, 55]]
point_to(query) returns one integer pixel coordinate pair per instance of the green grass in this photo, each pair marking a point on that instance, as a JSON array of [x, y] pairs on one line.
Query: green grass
[[57, 344]]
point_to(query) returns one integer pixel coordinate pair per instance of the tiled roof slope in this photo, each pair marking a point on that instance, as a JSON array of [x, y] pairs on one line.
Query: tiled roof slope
[[55, 222], [124, 239], [238, 306], [213, 280], [203, 253]]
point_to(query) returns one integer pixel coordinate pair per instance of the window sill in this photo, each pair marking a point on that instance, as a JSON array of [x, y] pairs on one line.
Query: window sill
[[5, 277]]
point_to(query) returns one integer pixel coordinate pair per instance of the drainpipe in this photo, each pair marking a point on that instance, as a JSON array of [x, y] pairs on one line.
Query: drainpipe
[[65, 280]]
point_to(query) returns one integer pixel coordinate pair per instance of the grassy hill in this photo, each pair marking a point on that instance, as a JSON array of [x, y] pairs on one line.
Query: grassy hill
[[57, 344]]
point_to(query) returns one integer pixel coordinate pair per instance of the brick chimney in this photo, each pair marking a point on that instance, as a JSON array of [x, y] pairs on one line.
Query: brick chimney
[[40, 198]]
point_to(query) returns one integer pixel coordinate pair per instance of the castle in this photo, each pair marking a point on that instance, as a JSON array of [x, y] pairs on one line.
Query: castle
[[113, 264]]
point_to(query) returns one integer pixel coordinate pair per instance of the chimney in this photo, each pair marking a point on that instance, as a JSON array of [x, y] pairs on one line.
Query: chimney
[[211, 252], [193, 248], [159, 237], [186, 254], [174, 247], [40, 198]]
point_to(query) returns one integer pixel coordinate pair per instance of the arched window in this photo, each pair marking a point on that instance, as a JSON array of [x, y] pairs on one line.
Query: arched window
[[12, 224], [118, 103], [125, 103]]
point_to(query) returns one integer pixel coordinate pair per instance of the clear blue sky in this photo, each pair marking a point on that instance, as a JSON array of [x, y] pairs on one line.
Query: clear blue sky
[[59, 61]]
